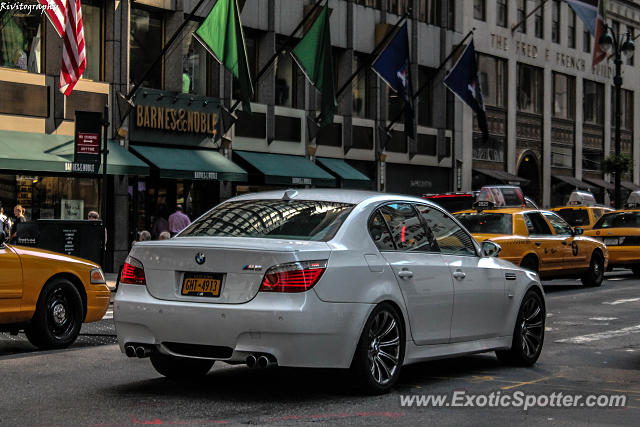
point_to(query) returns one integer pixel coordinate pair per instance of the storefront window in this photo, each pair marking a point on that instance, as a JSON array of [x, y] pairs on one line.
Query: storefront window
[[21, 40], [492, 72], [522, 15], [92, 25], [145, 46], [555, 21], [530, 89], [50, 197], [563, 96], [626, 113], [362, 90], [479, 10], [538, 19], [593, 104], [502, 13]]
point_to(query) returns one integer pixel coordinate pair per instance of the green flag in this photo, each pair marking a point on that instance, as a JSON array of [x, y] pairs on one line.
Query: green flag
[[221, 33], [313, 55]]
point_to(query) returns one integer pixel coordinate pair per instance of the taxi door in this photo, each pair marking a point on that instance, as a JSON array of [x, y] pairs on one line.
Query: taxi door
[[544, 243], [10, 284], [575, 256]]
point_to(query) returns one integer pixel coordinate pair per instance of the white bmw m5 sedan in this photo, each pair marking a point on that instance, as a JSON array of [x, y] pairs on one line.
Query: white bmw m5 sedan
[[327, 279]]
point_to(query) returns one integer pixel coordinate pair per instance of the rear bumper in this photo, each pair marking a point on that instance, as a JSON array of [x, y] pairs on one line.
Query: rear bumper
[[624, 256], [299, 330]]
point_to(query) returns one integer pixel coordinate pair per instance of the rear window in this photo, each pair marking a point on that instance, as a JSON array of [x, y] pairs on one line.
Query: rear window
[[275, 219], [575, 217], [619, 220], [487, 223]]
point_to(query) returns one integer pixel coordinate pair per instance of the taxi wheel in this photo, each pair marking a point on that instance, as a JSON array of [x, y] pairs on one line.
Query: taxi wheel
[[530, 262], [180, 368], [58, 317], [528, 334], [595, 275]]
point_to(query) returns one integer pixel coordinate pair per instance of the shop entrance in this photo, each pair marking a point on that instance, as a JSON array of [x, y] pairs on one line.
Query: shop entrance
[[529, 169]]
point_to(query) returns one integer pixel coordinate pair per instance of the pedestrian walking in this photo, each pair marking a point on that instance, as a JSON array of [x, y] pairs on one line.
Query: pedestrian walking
[[18, 212], [178, 221]]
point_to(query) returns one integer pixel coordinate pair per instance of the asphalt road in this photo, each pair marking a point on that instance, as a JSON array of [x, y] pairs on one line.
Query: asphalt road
[[592, 347]]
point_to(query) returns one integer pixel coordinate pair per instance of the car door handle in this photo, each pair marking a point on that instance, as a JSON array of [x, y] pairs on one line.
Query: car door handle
[[459, 275], [405, 274], [538, 244]]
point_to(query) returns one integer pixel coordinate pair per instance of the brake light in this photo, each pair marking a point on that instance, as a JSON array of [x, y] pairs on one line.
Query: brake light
[[133, 272], [293, 277]]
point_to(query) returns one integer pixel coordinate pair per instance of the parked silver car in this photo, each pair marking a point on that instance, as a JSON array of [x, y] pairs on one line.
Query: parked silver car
[[326, 279]]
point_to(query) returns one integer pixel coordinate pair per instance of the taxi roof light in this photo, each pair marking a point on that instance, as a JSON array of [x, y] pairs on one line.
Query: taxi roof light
[[581, 198]]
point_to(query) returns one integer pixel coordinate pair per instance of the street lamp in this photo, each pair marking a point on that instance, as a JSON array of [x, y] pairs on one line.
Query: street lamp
[[621, 45]]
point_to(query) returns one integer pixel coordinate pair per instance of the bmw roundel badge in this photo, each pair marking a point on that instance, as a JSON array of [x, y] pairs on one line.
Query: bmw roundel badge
[[200, 258]]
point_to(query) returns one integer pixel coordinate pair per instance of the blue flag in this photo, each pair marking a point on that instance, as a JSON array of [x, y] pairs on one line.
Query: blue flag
[[392, 65], [463, 81]]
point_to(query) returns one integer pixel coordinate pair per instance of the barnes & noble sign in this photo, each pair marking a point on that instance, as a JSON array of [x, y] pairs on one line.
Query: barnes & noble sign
[[167, 117]]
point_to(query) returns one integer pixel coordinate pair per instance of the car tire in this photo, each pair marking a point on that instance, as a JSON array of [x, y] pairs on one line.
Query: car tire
[[58, 317], [180, 368], [379, 354], [530, 262], [528, 334], [595, 275]]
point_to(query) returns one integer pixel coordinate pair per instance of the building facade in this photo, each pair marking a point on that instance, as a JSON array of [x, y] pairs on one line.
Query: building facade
[[166, 150], [551, 114]]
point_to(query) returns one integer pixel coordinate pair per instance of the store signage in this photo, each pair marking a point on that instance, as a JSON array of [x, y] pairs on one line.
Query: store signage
[[212, 176], [301, 181], [176, 120], [81, 167], [88, 143], [162, 117]]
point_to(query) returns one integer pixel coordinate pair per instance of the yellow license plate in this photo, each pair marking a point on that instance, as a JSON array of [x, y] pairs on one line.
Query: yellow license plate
[[204, 285]]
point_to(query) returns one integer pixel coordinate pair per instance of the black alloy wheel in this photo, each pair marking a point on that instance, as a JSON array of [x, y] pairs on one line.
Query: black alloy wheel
[[528, 334]]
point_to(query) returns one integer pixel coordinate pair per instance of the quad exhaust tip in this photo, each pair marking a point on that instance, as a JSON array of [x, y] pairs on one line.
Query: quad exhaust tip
[[251, 361], [142, 351], [130, 351], [261, 361]]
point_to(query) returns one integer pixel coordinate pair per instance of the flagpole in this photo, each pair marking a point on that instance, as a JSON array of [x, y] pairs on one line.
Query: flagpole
[[514, 27], [428, 83], [275, 56]]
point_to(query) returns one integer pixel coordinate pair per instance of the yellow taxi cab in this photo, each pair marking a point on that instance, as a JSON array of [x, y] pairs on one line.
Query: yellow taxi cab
[[581, 210], [48, 295], [538, 240], [620, 232]]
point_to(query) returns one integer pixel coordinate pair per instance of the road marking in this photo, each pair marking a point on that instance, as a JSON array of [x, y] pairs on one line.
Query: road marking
[[622, 301], [603, 319], [584, 339], [526, 383]]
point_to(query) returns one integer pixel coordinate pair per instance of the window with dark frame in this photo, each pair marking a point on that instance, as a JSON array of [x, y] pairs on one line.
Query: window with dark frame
[[502, 13], [586, 41], [522, 15], [492, 72], [145, 45], [563, 96], [571, 30], [593, 102], [555, 21], [631, 32], [479, 10], [529, 88], [21, 40], [538, 19]]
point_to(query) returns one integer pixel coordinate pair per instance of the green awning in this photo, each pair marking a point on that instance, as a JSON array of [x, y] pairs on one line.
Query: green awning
[[197, 164], [285, 169], [349, 176], [37, 152]]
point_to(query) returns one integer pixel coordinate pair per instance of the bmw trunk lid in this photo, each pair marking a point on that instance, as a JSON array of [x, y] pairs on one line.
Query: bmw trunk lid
[[217, 269]]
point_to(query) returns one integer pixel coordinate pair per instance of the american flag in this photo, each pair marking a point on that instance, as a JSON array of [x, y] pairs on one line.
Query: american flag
[[67, 14]]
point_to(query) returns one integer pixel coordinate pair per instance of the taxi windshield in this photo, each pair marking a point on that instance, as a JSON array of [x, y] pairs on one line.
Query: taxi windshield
[[575, 217], [487, 223], [619, 220]]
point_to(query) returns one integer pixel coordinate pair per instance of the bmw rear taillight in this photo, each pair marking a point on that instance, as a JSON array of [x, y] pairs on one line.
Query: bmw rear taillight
[[133, 272], [293, 277]]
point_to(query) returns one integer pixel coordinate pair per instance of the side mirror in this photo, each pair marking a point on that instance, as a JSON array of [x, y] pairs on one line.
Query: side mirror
[[577, 231], [490, 249]]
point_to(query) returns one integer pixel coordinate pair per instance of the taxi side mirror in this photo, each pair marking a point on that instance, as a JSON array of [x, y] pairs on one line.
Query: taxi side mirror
[[490, 249], [577, 231]]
